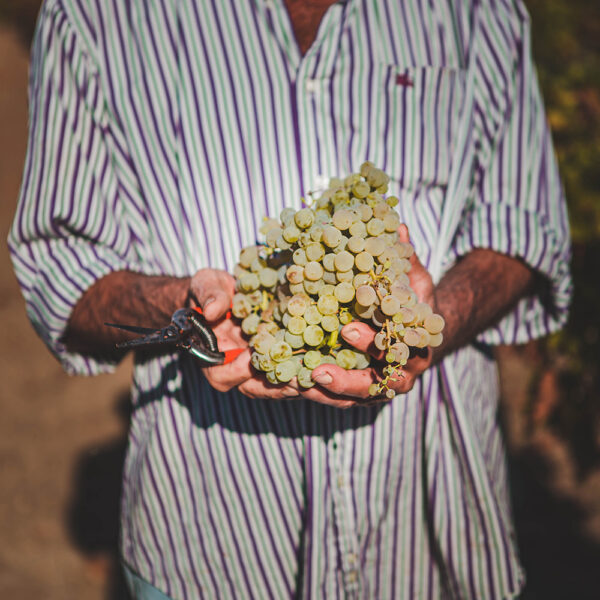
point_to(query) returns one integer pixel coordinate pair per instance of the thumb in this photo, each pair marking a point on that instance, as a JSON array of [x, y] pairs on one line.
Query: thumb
[[404, 237], [213, 291]]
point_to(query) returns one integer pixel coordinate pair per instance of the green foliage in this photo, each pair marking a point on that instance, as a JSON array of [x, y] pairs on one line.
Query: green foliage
[[566, 47]]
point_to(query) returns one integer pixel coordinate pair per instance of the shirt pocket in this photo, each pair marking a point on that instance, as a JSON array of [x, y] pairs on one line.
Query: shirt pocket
[[419, 110]]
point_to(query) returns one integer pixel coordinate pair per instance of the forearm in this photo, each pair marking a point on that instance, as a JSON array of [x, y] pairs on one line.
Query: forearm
[[123, 297], [476, 293]]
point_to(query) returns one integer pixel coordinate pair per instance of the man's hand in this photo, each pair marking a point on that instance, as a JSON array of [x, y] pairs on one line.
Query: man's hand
[[342, 388], [213, 291]]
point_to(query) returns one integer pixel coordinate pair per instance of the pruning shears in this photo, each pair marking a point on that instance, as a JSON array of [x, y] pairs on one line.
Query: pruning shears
[[187, 331]]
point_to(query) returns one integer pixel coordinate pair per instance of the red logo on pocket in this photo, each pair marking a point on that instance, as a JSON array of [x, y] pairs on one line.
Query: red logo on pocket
[[404, 79]]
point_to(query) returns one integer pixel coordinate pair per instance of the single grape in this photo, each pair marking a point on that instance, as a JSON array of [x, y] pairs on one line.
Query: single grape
[[328, 304], [268, 277], [286, 216], [366, 295], [304, 377], [247, 255], [314, 251], [299, 257], [422, 310], [375, 227], [345, 276], [355, 244], [313, 270], [344, 261], [358, 229], [286, 370], [280, 351], [344, 292], [255, 361], [313, 335], [391, 221], [327, 289], [241, 306], [346, 359], [331, 236], [298, 304], [312, 359], [312, 288], [343, 218], [435, 339], [329, 261], [434, 323], [361, 279], [330, 323], [412, 337], [374, 246], [329, 277], [296, 325], [316, 232], [297, 288], [364, 262], [360, 189], [380, 341], [304, 218], [262, 342], [363, 360], [248, 282], [374, 389], [390, 305], [295, 274], [265, 362], [250, 323], [312, 316], [295, 341], [345, 317]]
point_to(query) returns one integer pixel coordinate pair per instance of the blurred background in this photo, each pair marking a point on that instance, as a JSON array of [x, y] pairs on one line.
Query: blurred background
[[62, 439]]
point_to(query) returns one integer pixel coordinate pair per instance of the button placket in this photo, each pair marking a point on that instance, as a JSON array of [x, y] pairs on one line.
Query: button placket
[[344, 520]]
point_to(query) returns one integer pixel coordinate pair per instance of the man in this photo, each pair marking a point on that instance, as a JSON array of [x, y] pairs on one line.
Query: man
[[161, 134]]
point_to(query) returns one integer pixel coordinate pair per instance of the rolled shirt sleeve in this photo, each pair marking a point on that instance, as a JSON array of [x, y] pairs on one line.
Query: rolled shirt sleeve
[[518, 206], [71, 225]]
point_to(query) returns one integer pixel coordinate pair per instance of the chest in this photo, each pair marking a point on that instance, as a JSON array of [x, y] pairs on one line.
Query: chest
[[305, 16]]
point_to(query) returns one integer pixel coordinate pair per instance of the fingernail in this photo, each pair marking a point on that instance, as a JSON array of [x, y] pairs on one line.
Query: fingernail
[[351, 335], [208, 301], [324, 378]]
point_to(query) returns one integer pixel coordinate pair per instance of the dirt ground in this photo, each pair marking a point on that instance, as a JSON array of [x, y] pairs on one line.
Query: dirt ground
[[62, 441]]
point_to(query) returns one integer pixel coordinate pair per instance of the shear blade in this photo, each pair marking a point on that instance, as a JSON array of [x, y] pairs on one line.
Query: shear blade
[[134, 329]]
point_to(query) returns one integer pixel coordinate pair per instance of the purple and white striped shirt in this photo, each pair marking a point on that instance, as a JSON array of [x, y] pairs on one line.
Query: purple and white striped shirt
[[161, 134]]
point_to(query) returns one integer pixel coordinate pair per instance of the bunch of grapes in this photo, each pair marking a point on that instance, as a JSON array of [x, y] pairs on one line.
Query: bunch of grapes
[[323, 266]]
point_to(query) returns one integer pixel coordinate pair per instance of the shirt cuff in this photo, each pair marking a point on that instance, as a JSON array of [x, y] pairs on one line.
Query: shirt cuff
[[510, 230]]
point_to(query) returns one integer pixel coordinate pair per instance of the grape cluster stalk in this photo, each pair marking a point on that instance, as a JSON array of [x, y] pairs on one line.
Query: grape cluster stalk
[[335, 261]]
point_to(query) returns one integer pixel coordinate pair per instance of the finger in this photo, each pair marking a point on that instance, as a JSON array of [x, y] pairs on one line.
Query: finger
[[322, 396], [225, 377], [354, 383], [361, 336], [212, 290], [257, 387]]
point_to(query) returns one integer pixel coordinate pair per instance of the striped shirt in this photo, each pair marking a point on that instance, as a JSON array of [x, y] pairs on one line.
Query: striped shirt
[[161, 134]]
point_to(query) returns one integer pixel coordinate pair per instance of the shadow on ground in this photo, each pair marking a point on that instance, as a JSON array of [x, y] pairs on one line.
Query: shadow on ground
[[92, 518], [561, 562]]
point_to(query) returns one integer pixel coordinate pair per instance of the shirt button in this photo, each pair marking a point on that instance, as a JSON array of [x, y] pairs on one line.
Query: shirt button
[[340, 482], [311, 85], [352, 576], [352, 559]]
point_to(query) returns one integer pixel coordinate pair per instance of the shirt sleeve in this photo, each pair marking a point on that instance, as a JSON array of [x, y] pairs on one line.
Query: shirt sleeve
[[71, 225], [518, 206]]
